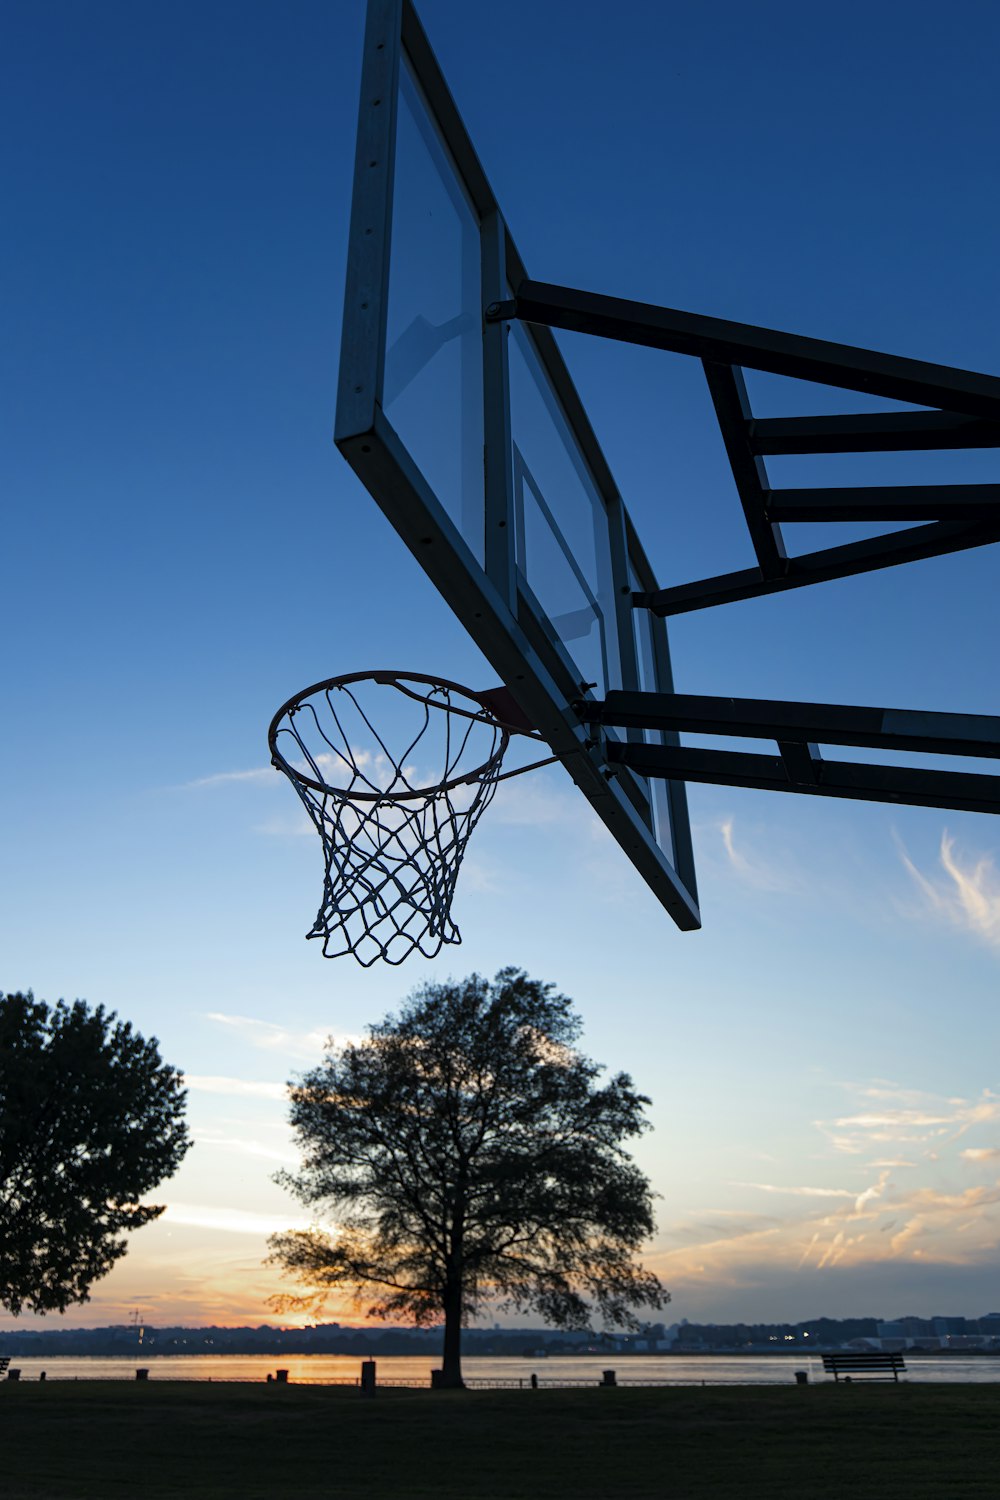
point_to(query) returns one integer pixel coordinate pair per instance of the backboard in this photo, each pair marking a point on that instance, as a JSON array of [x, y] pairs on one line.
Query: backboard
[[472, 439]]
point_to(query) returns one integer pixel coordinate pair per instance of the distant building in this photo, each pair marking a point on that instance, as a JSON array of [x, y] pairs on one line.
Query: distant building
[[907, 1328], [943, 1326]]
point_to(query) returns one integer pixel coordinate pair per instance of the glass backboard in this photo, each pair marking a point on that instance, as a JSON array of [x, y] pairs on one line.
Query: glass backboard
[[473, 440]]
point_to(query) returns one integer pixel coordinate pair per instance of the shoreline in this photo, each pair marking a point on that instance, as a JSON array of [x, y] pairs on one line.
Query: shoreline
[[131, 1355]]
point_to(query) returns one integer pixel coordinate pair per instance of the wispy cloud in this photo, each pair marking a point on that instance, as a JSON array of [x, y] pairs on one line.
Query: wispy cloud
[[890, 1119], [305, 1045], [981, 1153], [873, 1192], [713, 1227], [334, 766], [800, 1192], [243, 1146], [205, 1083], [222, 778], [751, 867], [966, 894], [229, 1220], [906, 1116]]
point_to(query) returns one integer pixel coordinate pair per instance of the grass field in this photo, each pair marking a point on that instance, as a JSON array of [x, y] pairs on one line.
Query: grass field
[[98, 1440]]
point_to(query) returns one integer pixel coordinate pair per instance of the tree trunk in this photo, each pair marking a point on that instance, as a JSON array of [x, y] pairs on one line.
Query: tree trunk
[[451, 1363]]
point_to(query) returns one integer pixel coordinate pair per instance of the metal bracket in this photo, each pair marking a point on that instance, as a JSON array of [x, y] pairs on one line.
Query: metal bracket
[[797, 730], [967, 414]]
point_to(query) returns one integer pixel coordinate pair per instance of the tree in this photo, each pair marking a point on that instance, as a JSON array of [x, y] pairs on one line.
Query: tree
[[90, 1120], [471, 1156]]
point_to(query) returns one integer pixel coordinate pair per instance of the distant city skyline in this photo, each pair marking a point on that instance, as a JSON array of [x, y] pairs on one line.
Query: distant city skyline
[[184, 548], [941, 1334]]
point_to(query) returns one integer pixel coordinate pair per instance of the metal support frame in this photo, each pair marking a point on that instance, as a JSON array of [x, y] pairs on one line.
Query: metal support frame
[[967, 416], [957, 409], [798, 730]]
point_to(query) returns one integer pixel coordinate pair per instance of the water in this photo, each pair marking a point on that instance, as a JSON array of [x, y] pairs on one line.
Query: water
[[718, 1369]]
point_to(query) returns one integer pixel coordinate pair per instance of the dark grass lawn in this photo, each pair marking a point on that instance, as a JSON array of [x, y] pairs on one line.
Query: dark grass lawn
[[95, 1440]]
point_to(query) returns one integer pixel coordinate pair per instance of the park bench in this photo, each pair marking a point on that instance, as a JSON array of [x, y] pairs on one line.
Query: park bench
[[875, 1363], [4, 1362]]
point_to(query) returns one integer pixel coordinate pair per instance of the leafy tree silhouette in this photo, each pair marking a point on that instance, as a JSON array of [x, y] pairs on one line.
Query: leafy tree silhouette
[[91, 1119], [471, 1155]]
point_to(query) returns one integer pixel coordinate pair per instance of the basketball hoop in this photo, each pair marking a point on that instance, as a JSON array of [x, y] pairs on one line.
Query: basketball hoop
[[394, 823]]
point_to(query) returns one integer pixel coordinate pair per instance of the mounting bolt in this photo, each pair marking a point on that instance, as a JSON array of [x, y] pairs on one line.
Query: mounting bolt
[[493, 309]]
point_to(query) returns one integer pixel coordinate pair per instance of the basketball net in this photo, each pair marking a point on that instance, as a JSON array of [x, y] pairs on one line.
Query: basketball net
[[394, 823]]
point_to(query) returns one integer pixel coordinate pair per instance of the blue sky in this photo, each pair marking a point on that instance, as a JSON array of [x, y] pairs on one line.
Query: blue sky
[[184, 548]]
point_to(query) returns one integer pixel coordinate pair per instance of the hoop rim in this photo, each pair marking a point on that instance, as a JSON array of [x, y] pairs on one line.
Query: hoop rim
[[389, 678]]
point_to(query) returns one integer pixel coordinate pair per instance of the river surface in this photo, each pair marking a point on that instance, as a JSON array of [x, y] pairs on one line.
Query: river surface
[[695, 1369]]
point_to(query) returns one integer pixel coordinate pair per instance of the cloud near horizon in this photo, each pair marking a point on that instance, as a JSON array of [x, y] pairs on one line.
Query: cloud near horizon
[[800, 1192], [897, 1115], [885, 1230], [216, 1083], [230, 1220], [244, 1146]]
